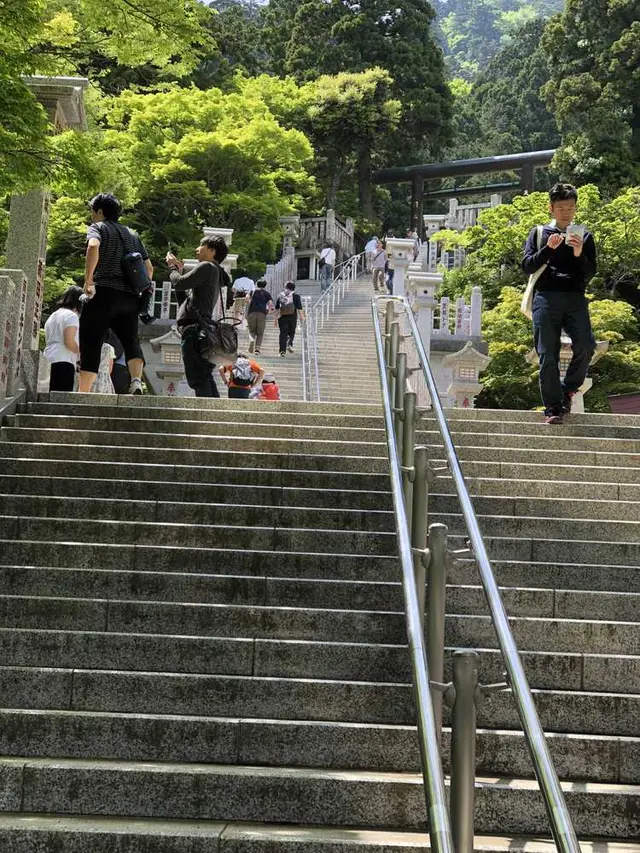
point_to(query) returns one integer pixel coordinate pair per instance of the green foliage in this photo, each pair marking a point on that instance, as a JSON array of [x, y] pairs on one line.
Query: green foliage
[[474, 31], [594, 90], [183, 159], [503, 111], [315, 38]]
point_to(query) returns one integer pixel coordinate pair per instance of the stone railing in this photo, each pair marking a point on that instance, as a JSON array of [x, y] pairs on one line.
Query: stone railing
[[285, 270], [316, 232]]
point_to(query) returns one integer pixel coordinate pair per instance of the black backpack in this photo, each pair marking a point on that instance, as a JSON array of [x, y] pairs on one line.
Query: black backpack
[[134, 272]]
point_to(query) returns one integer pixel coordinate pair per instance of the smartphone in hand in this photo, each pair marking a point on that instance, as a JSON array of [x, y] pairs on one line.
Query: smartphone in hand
[[578, 230]]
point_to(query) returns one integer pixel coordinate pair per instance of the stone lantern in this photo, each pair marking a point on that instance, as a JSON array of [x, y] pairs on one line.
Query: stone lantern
[[422, 288], [465, 366], [291, 227], [566, 354], [400, 252], [168, 366]]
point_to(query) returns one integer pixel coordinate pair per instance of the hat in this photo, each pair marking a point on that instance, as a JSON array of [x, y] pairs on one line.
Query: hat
[[268, 377]]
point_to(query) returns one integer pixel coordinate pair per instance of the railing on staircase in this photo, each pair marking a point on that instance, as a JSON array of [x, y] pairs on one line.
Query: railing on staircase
[[316, 314], [425, 548]]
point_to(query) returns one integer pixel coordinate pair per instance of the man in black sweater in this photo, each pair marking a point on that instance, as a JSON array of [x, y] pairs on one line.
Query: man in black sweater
[[197, 292], [568, 255]]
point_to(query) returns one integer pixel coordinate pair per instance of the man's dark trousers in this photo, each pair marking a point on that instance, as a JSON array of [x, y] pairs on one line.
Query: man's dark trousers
[[554, 311], [287, 325], [199, 371]]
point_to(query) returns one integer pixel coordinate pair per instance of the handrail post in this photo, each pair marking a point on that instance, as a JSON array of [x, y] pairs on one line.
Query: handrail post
[[394, 342], [419, 498], [389, 317], [408, 428], [399, 399], [463, 748], [436, 609]]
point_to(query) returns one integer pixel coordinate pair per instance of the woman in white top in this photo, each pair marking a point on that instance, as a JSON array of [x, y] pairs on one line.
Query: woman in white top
[[61, 337]]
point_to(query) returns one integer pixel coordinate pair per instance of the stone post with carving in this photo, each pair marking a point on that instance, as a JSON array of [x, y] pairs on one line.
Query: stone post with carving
[[400, 253]]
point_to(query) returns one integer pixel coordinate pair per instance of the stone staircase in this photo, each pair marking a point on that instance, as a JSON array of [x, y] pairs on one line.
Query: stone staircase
[[202, 644], [347, 362]]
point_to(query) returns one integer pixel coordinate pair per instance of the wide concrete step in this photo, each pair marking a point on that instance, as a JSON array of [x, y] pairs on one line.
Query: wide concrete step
[[567, 491], [42, 834], [539, 507], [544, 471], [273, 743], [230, 536], [279, 658], [239, 414], [191, 512], [230, 494], [295, 699], [305, 592], [292, 795], [200, 461], [185, 479], [253, 621], [186, 427], [527, 416], [73, 400], [537, 526], [582, 426], [198, 558], [148, 441], [552, 457]]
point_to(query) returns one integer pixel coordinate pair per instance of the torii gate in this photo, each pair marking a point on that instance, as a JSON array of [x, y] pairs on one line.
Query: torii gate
[[525, 163]]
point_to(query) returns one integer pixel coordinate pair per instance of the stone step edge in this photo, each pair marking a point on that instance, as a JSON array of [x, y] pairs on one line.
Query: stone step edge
[[346, 727], [301, 773], [270, 679], [302, 609], [274, 836]]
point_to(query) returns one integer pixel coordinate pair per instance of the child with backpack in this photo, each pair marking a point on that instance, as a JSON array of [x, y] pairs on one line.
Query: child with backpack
[[241, 376], [288, 306]]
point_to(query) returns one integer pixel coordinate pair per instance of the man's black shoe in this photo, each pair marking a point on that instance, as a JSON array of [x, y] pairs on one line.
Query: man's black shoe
[[567, 400]]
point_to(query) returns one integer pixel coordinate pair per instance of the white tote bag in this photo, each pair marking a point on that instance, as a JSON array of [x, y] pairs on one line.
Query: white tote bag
[[526, 306]]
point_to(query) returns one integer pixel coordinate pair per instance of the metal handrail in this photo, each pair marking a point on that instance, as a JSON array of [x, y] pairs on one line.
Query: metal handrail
[[316, 314], [439, 824], [557, 811]]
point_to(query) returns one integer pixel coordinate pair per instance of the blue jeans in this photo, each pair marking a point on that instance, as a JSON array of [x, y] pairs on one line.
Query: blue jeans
[[554, 311], [326, 277]]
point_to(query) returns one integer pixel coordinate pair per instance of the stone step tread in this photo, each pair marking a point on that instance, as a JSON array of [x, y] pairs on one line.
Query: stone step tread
[[230, 837], [296, 699], [239, 741], [272, 590], [255, 621], [357, 799], [196, 512], [282, 658], [127, 401]]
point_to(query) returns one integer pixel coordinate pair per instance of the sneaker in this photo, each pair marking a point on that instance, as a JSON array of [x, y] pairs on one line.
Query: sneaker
[[289, 348], [282, 354], [567, 400], [257, 351], [135, 387], [252, 346], [553, 420]]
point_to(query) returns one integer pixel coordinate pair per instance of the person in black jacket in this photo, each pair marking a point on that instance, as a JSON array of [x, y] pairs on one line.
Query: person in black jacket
[[197, 292], [568, 255], [288, 309]]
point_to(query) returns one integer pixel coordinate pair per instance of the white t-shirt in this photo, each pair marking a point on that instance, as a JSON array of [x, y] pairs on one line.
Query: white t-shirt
[[55, 350], [329, 256], [244, 284]]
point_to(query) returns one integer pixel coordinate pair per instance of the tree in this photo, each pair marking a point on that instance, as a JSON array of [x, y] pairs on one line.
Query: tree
[[474, 31], [314, 38], [349, 117], [236, 30], [594, 90], [183, 159], [79, 36], [503, 112]]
